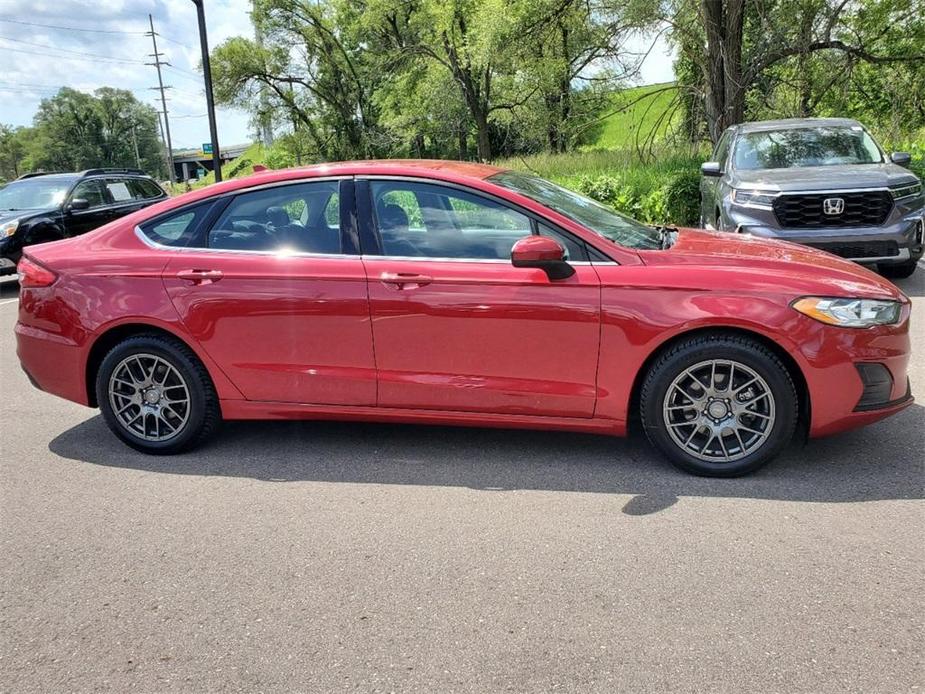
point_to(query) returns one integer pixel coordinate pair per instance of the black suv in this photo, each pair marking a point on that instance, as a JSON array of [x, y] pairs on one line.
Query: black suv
[[41, 207]]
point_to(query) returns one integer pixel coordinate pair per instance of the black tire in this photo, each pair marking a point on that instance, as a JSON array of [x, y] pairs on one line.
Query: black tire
[[742, 350], [899, 271], [203, 415]]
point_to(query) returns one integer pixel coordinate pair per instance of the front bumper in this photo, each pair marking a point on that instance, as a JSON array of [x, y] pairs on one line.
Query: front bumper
[[901, 240]]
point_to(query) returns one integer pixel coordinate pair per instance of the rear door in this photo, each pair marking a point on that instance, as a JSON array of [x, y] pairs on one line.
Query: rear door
[[273, 289], [456, 326], [124, 196]]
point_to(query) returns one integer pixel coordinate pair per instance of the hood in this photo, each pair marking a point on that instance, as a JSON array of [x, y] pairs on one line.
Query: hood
[[6, 215], [846, 177], [771, 265]]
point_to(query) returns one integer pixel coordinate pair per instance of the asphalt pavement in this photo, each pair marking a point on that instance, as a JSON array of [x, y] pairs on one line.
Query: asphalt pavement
[[323, 557]]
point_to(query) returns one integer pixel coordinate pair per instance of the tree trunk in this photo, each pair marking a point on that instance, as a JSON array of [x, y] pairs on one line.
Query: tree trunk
[[723, 22]]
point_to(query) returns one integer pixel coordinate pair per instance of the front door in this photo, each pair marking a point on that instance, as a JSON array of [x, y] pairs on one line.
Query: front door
[[276, 295], [95, 215], [456, 327]]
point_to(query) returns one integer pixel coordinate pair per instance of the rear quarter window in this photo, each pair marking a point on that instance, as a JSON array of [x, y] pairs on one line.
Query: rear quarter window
[[177, 229]]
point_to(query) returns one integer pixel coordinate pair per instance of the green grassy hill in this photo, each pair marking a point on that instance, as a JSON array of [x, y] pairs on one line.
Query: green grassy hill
[[638, 111]]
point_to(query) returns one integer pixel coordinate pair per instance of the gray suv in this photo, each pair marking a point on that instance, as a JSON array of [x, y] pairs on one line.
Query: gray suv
[[823, 182]]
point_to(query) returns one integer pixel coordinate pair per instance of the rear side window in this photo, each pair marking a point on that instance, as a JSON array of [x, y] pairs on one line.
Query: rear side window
[[302, 218], [142, 189], [119, 190], [178, 229]]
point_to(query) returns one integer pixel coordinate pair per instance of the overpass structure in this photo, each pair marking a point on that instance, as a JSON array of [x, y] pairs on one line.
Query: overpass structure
[[189, 163]]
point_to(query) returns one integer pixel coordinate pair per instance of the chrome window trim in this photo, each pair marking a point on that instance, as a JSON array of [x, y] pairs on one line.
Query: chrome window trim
[[496, 261], [186, 249]]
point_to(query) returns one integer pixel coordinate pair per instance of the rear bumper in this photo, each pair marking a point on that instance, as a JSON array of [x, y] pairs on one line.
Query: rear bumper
[[52, 362]]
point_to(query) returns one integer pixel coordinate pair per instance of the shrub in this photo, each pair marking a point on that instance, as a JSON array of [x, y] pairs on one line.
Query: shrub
[[682, 198]]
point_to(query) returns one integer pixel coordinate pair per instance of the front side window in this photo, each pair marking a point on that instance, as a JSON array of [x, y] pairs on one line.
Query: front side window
[[293, 218], [92, 192], [797, 147], [432, 221], [585, 211], [33, 194]]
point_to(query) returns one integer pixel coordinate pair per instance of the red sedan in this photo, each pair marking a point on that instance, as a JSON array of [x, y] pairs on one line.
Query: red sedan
[[452, 293]]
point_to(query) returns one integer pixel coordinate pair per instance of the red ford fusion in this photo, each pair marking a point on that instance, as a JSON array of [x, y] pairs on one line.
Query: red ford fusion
[[454, 293]]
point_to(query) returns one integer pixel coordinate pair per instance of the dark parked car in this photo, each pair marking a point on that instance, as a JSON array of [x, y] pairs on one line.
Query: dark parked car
[[823, 182], [43, 207]]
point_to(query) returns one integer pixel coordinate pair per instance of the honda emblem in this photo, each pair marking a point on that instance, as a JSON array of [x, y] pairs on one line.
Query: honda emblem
[[833, 206]]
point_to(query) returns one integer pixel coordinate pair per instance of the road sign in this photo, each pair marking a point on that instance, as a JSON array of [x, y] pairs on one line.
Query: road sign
[[207, 148]]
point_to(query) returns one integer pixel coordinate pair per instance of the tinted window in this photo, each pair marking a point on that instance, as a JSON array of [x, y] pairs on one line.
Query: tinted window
[[91, 191], [817, 146], [722, 149], [179, 228], [142, 189], [286, 218], [431, 221]]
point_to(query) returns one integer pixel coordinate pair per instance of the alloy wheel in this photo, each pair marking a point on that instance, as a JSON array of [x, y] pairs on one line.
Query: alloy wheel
[[719, 411]]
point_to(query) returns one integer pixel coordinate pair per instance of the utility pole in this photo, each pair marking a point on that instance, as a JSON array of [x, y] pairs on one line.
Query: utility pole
[[265, 118], [210, 102], [160, 86], [135, 143]]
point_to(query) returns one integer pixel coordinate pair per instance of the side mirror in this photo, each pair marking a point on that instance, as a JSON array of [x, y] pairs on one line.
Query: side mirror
[[901, 158], [544, 253], [711, 168], [78, 204]]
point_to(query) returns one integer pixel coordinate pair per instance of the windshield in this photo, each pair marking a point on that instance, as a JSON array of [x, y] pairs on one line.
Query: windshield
[[585, 211], [33, 194], [816, 146]]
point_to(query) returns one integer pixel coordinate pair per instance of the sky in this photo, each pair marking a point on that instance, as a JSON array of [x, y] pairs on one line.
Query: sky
[[86, 45]]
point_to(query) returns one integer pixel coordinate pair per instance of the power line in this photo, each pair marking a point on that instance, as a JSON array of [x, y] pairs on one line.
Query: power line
[[82, 54], [67, 28]]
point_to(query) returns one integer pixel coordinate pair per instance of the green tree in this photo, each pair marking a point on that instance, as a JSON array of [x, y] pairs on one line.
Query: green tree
[[74, 130]]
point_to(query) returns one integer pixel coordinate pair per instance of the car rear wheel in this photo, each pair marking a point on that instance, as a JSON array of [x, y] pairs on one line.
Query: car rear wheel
[[156, 395], [719, 405], [899, 271]]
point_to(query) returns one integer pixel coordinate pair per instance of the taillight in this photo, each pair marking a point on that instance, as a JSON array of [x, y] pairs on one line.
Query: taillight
[[31, 274]]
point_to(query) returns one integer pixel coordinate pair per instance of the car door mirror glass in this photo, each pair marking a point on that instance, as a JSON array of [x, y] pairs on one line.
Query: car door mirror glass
[[78, 204], [544, 253], [711, 168]]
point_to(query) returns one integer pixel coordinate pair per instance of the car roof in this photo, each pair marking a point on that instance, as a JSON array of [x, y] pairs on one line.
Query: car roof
[[795, 123]]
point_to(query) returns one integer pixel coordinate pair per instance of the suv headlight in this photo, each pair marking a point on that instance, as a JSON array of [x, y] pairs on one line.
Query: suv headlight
[[753, 198], [8, 228], [906, 190], [849, 313]]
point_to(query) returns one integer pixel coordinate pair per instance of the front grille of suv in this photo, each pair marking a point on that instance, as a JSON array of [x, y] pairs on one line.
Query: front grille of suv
[[866, 208], [857, 250]]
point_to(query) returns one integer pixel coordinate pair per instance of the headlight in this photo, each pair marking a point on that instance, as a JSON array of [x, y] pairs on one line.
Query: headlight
[[906, 190], [8, 228], [849, 313], [753, 198]]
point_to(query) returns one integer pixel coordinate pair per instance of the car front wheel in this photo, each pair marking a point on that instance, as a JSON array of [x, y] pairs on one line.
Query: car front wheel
[[719, 405], [156, 395], [899, 271]]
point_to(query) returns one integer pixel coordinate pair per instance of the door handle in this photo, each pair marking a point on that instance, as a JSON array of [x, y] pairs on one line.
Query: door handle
[[200, 276], [403, 280]]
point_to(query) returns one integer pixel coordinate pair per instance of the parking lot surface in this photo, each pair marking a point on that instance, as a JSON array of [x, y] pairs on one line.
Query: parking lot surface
[[329, 557]]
